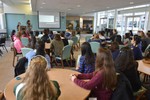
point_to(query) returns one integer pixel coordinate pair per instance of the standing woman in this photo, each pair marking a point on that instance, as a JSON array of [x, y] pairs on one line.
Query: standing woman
[[18, 26], [87, 59], [103, 80], [36, 85], [29, 26], [13, 35]]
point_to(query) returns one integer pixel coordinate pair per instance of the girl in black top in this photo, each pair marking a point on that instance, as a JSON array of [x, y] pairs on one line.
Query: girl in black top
[[125, 63]]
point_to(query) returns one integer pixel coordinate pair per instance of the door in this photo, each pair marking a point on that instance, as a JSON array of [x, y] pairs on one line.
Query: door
[[133, 23]]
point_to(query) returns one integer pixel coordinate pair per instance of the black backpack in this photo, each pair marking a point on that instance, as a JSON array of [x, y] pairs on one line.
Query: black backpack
[[20, 66], [123, 90]]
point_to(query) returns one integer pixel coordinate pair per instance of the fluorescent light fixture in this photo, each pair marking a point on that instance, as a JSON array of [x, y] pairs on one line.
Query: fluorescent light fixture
[[78, 5], [131, 3], [43, 3], [30, 5]]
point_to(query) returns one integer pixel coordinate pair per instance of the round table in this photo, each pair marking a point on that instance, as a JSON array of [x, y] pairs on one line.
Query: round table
[[69, 90], [143, 67]]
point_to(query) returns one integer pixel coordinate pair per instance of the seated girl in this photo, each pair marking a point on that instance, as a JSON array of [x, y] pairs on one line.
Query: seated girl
[[136, 46], [87, 59], [114, 50], [36, 85], [57, 45], [103, 80], [125, 63], [127, 41], [95, 38], [40, 50], [17, 43]]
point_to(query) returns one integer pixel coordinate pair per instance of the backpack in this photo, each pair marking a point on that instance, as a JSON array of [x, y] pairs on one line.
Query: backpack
[[20, 66], [123, 90]]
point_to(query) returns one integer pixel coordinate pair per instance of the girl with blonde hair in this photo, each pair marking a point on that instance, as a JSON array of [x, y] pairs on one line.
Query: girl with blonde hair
[[36, 85]]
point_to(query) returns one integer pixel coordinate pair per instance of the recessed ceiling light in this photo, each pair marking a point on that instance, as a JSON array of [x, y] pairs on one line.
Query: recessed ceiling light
[[43, 3], [69, 9], [131, 3], [41, 7], [78, 5]]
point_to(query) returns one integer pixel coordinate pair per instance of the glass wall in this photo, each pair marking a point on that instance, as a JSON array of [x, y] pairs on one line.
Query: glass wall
[[124, 19], [105, 19]]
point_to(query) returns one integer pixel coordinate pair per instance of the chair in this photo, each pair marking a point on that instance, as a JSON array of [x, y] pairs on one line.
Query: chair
[[121, 46], [16, 55], [87, 38], [78, 36], [147, 48], [25, 41], [75, 41], [139, 94], [65, 54], [25, 51], [2, 43], [70, 42], [95, 46]]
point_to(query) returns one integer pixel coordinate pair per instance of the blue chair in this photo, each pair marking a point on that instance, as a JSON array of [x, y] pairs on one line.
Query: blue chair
[[25, 41], [87, 38], [70, 42], [95, 46], [25, 51], [66, 54], [75, 41], [78, 36]]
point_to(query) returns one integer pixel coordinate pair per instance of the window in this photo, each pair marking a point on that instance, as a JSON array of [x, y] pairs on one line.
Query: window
[[1, 21]]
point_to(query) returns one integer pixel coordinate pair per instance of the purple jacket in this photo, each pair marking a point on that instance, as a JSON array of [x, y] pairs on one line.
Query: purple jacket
[[95, 85]]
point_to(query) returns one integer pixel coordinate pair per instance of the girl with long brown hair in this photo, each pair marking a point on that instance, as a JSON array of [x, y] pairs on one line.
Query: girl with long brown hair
[[103, 80], [36, 85]]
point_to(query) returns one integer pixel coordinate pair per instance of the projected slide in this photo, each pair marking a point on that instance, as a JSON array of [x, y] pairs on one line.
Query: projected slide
[[49, 19]]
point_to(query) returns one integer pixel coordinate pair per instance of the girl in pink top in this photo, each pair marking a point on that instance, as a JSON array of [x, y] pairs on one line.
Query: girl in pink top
[[17, 43]]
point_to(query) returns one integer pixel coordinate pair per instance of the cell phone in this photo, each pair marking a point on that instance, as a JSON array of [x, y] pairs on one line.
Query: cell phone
[[18, 78]]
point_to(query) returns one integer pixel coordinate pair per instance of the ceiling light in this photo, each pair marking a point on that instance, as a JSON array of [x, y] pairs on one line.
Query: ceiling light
[[131, 3], [41, 7], [43, 3], [69, 9], [78, 6]]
